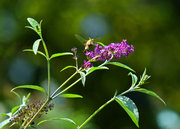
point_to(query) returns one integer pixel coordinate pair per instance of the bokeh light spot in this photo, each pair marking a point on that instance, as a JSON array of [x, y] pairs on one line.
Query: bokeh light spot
[[168, 119], [21, 72], [94, 26]]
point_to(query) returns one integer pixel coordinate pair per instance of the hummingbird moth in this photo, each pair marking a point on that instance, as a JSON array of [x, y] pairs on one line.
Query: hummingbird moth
[[87, 43]]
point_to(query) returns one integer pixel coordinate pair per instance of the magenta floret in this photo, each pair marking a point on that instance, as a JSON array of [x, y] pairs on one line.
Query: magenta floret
[[87, 65]]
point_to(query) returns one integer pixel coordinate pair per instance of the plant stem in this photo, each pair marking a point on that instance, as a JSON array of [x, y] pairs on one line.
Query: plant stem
[[37, 113], [66, 88], [76, 63], [63, 84], [48, 63], [49, 77], [23, 123], [45, 48], [98, 110], [127, 91]]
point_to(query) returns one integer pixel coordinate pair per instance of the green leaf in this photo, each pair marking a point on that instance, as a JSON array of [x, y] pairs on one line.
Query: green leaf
[[5, 122], [115, 94], [80, 38], [14, 109], [144, 73], [30, 27], [144, 78], [92, 69], [25, 98], [65, 119], [150, 93], [71, 96], [121, 65], [129, 106], [36, 46], [34, 87], [5, 114], [19, 97], [61, 54], [39, 52], [32, 22], [102, 44], [83, 77], [67, 67], [134, 79]]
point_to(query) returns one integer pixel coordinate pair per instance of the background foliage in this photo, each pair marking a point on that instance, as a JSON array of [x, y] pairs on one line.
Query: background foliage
[[152, 26]]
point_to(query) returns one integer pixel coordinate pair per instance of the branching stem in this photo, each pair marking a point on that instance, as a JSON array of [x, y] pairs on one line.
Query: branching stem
[[98, 110], [67, 88], [63, 84]]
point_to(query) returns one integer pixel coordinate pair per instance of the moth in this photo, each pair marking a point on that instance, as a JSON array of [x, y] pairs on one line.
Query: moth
[[87, 43]]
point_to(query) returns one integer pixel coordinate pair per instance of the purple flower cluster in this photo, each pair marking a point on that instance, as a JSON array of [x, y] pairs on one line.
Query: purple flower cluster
[[102, 53], [116, 50]]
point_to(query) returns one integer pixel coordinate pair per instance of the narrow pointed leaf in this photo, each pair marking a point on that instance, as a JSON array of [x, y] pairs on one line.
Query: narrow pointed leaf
[[92, 69], [36, 46], [150, 93], [129, 106], [103, 67], [83, 78], [121, 65], [40, 23], [143, 76], [71, 96], [67, 67], [134, 79], [30, 27], [144, 73], [14, 109], [5, 114], [25, 100], [32, 22], [61, 54], [19, 97], [5, 122], [102, 44], [65, 119], [115, 94], [34, 87], [39, 52]]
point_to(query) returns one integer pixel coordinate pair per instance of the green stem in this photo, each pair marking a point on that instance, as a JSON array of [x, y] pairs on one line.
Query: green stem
[[49, 81], [45, 48], [98, 110], [67, 88], [127, 91], [23, 123], [36, 113], [63, 84], [49, 77], [48, 64], [76, 63]]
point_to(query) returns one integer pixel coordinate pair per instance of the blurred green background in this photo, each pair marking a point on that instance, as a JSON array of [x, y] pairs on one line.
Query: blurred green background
[[152, 26]]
